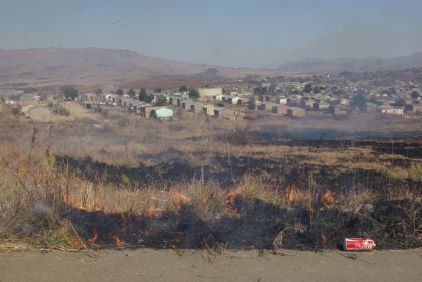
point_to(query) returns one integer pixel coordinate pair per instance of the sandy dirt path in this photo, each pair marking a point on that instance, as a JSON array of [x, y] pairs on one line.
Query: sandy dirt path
[[166, 265]]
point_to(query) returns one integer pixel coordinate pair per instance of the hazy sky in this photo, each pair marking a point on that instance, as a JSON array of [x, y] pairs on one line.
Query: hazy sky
[[257, 33]]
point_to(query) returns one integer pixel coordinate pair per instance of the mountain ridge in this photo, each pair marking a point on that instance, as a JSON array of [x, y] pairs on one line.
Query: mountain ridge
[[315, 65]]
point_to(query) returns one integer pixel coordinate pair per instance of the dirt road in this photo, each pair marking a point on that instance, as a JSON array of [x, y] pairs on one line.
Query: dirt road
[[166, 265]]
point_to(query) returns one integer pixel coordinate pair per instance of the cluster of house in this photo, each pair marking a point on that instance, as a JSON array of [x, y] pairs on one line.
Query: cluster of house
[[143, 109], [337, 96], [176, 100]]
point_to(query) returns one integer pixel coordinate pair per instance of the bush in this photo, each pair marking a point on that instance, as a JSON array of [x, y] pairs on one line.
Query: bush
[[59, 110]]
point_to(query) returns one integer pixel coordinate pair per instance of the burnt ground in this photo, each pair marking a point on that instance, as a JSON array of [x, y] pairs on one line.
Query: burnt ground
[[226, 171], [255, 225]]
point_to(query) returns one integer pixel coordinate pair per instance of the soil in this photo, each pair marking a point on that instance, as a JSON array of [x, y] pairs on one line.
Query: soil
[[188, 265]]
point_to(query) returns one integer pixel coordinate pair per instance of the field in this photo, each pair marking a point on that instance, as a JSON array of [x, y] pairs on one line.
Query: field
[[118, 181]]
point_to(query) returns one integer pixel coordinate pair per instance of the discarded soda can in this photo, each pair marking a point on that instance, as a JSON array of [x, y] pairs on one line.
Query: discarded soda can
[[358, 244]]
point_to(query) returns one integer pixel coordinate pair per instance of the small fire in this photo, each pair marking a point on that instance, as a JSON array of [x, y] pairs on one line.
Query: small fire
[[179, 196], [117, 242], [92, 240], [97, 204], [291, 192], [292, 196], [232, 196], [328, 198], [180, 199], [154, 212]]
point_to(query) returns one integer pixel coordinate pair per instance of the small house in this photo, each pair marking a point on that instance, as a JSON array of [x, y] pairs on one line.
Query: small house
[[389, 110], [196, 108], [324, 105], [417, 108], [208, 110], [281, 100], [279, 109], [145, 110], [29, 97], [161, 113], [295, 112], [340, 110], [218, 112]]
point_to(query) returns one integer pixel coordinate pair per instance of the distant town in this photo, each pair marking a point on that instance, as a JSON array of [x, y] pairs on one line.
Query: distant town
[[336, 95]]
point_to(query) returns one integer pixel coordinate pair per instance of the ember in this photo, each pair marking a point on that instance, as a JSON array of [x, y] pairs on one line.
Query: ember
[[92, 240], [117, 242], [232, 196], [328, 198]]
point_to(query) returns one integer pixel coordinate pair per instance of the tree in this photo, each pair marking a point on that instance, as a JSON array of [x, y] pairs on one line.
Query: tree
[[307, 88], [414, 95], [161, 101], [260, 90], [252, 103], [359, 101], [400, 102], [149, 98], [98, 91], [183, 88], [69, 92], [157, 90], [131, 93], [194, 94], [142, 94], [119, 92]]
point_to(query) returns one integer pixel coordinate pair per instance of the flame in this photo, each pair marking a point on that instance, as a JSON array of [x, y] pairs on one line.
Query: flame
[[292, 196], [154, 212], [179, 196], [180, 199], [93, 239], [328, 198], [232, 196], [117, 242], [97, 204], [291, 192]]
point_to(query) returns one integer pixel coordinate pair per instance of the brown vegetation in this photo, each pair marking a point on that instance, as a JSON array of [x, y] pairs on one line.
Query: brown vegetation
[[182, 184]]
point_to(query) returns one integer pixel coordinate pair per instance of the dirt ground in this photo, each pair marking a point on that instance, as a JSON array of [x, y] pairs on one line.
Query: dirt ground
[[168, 265], [76, 112]]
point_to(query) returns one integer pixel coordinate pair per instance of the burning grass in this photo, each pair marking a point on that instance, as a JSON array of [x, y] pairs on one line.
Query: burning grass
[[206, 194]]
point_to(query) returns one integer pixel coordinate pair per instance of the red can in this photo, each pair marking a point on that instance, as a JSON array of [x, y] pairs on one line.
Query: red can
[[358, 244]]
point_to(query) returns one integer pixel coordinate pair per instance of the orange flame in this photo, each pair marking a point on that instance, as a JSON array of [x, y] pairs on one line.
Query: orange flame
[[117, 242], [232, 196], [180, 199], [97, 204], [292, 192], [153, 212], [328, 198], [93, 239]]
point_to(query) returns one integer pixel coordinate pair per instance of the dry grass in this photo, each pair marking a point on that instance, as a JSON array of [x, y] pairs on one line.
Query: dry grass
[[34, 190]]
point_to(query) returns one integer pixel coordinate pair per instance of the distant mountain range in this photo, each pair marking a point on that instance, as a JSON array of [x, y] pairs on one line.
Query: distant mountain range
[[47, 66], [91, 65], [87, 64], [352, 64]]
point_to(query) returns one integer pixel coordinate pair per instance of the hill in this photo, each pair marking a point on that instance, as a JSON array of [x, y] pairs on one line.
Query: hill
[[352, 64], [52, 65], [48, 66]]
